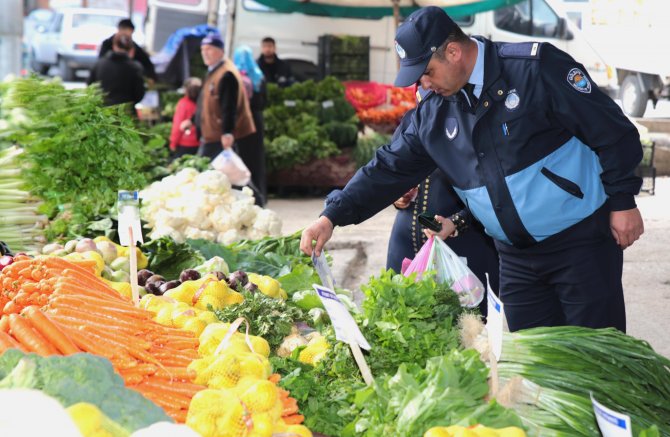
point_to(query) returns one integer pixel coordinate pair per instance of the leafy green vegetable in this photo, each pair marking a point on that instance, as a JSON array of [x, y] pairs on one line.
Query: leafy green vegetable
[[200, 163], [450, 390], [269, 318], [317, 120], [325, 401], [78, 153], [80, 378], [169, 258], [272, 256], [307, 299], [301, 277], [367, 145], [407, 320]]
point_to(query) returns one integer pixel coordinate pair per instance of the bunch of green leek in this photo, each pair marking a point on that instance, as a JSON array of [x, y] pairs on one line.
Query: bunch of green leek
[[566, 364], [20, 223]]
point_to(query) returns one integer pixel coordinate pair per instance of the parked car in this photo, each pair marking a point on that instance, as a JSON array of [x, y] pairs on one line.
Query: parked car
[[36, 22], [72, 40]]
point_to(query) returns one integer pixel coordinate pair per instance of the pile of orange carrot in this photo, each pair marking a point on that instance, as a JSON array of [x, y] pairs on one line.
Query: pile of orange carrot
[[79, 312], [290, 413]]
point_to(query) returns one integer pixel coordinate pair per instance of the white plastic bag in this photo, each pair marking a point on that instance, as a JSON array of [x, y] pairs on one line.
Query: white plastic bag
[[452, 270], [229, 163]]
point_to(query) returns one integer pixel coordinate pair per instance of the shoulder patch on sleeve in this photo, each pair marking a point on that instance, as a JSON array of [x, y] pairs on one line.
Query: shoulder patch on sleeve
[[525, 50], [422, 94]]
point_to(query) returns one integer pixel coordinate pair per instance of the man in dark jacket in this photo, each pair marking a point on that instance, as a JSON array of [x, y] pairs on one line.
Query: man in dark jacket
[[274, 69], [127, 28], [537, 153], [120, 77]]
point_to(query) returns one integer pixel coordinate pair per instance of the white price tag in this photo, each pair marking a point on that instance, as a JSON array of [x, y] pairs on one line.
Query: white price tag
[[129, 217], [289, 103], [494, 321], [323, 270], [327, 104], [611, 423], [346, 329]]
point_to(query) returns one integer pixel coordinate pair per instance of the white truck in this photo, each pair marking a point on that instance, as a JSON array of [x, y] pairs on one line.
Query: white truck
[[247, 22]]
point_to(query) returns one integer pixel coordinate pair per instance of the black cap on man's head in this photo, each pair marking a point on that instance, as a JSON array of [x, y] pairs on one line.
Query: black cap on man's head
[[417, 38], [212, 40]]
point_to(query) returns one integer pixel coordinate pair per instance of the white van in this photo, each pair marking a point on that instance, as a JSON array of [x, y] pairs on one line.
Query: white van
[[297, 34]]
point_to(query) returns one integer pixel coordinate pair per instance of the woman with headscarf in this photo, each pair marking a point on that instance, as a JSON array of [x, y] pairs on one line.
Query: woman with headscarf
[[251, 148]]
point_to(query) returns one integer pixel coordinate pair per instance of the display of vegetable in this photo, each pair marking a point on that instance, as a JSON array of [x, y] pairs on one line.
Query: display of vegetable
[[367, 146], [80, 378], [204, 206], [307, 120], [450, 389], [567, 364], [77, 152]]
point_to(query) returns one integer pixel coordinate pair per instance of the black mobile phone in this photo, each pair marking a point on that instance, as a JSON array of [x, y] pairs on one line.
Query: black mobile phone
[[427, 220]]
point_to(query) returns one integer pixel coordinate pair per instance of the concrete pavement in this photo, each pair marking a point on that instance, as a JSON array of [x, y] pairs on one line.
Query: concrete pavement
[[360, 252]]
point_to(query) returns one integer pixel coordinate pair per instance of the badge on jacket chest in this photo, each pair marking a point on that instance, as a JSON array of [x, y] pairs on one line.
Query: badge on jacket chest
[[512, 100], [452, 128]]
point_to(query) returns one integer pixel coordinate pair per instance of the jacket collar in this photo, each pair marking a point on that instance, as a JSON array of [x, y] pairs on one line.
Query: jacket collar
[[493, 81]]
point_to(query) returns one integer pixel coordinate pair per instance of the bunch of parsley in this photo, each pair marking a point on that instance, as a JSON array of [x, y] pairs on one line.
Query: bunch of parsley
[[78, 153]]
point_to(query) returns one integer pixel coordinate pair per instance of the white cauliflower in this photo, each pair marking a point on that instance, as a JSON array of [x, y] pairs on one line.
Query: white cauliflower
[[196, 233], [203, 205], [229, 237], [166, 231], [244, 213], [267, 221], [213, 182]]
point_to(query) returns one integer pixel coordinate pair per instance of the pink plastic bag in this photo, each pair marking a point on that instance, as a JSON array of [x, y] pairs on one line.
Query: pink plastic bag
[[420, 262]]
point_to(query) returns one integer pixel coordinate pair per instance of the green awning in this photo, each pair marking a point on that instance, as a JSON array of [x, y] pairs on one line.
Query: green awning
[[380, 8]]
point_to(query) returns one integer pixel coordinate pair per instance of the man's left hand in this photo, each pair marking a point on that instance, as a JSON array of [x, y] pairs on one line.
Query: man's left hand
[[626, 226]]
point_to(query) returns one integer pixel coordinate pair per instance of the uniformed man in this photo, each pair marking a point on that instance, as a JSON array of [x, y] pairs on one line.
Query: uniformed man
[[537, 153]]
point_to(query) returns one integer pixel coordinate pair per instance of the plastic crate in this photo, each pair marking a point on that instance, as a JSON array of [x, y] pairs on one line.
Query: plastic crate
[[344, 57]]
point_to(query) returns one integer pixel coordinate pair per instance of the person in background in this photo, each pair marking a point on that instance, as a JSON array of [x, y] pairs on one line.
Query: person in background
[[127, 28], [120, 77], [274, 69], [184, 137], [251, 148], [223, 115]]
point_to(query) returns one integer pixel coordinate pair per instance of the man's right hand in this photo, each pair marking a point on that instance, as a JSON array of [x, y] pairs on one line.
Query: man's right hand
[[320, 231]]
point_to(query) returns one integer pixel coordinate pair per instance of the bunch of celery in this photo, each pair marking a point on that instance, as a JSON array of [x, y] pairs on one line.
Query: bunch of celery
[[20, 224], [569, 363]]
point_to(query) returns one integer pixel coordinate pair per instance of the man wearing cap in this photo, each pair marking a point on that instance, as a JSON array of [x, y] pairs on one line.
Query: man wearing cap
[[223, 113], [538, 154]]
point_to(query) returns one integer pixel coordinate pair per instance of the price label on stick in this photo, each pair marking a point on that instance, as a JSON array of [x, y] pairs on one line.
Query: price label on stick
[[323, 270], [129, 217], [611, 423], [494, 321], [346, 328], [130, 232]]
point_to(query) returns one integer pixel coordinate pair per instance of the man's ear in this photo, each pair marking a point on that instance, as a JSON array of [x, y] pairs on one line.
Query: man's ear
[[453, 52]]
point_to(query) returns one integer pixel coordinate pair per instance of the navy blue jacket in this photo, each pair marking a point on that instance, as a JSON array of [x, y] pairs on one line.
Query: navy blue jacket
[[543, 150]]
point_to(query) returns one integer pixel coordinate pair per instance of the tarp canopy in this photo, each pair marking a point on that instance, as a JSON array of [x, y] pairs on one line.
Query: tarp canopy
[[374, 9]]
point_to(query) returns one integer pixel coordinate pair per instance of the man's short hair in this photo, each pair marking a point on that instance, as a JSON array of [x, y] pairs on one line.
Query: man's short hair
[[269, 40], [456, 35], [126, 24]]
